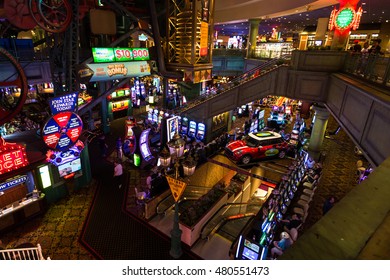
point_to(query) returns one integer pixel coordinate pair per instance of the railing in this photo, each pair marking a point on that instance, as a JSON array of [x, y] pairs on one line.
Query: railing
[[243, 78], [372, 67], [30, 253]]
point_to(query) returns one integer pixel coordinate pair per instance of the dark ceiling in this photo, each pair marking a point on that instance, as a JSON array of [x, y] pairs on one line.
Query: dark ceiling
[[374, 12]]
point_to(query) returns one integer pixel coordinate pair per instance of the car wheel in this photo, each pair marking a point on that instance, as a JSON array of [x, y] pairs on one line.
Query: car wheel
[[246, 159], [282, 154]]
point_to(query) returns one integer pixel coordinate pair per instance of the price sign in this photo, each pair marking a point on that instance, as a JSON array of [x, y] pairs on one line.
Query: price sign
[[123, 54], [141, 54]]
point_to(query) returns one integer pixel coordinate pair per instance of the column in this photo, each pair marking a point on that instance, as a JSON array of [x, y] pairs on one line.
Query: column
[[252, 40], [318, 131]]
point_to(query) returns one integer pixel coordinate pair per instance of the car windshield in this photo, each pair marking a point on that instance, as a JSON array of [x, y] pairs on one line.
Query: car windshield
[[251, 142]]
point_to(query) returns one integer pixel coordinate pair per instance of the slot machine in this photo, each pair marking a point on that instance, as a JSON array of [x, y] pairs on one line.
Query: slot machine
[[155, 116], [192, 129], [200, 131], [248, 250], [150, 115], [184, 126]]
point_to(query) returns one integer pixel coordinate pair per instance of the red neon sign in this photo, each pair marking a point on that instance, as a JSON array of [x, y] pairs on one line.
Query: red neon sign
[[12, 156], [347, 18]]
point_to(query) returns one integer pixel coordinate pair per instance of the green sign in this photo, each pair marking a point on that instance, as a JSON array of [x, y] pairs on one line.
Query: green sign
[[103, 54], [123, 54], [344, 18], [141, 54], [119, 54]]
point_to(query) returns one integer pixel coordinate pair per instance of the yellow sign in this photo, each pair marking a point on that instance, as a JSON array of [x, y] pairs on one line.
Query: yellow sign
[[177, 187], [204, 36]]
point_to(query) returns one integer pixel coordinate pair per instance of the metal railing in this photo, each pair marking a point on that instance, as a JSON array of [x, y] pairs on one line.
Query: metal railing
[[371, 67], [247, 76], [30, 253]]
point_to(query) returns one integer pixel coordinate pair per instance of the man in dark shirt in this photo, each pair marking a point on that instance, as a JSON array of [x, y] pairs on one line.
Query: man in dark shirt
[[294, 222]]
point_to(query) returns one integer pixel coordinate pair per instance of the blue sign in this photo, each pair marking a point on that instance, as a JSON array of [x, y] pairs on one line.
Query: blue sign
[[64, 103], [13, 182]]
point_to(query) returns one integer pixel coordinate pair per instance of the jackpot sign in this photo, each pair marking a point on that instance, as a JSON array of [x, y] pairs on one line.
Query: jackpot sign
[[12, 156]]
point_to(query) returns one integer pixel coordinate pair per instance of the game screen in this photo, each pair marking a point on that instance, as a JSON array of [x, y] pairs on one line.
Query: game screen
[[172, 127], [184, 125], [70, 167], [192, 129], [201, 131]]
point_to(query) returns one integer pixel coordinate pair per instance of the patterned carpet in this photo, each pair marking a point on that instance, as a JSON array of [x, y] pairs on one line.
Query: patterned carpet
[[92, 223]]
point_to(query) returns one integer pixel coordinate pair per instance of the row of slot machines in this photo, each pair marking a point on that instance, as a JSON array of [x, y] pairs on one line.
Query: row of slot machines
[[190, 128], [254, 247]]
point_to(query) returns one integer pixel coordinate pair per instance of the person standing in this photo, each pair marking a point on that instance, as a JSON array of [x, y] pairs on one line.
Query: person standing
[[119, 150], [118, 173], [328, 205]]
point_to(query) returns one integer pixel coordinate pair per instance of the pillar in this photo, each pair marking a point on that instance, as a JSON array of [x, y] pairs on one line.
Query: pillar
[[252, 40], [318, 131]]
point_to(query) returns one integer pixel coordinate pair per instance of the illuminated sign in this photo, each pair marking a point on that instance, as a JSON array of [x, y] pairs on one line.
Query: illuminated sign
[[346, 18], [64, 103], [111, 71], [45, 176], [120, 105], [62, 130], [140, 54], [119, 54], [13, 182], [12, 156], [204, 38], [103, 54], [61, 157]]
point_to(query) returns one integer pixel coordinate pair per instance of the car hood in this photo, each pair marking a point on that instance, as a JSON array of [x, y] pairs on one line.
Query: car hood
[[235, 145]]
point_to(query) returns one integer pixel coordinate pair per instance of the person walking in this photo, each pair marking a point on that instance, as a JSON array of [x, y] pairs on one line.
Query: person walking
[[118, 173]]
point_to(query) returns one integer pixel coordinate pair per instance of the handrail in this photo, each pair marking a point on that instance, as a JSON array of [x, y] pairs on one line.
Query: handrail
[[243, 78]]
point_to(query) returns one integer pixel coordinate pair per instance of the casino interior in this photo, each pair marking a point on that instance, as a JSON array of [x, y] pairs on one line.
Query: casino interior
[[227, 118]]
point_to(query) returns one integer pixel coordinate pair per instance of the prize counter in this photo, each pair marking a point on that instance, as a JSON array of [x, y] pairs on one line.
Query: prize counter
[[21, 210]]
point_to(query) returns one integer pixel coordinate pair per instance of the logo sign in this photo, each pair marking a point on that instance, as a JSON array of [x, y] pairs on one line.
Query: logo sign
[[103, 54], [62, 130], [177, 187], [12, 156], [119, 54], [64, 103], [13, 182], [112, 71], [346, 18], [58, 157]]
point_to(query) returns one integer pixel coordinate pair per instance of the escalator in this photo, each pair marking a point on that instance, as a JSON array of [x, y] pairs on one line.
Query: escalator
[[257, 74], [229, 220], [190, 193]]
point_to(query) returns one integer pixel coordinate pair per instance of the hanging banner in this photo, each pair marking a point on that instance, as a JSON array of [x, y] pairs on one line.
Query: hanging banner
[[177, 187], [112, 71], [204, 38]]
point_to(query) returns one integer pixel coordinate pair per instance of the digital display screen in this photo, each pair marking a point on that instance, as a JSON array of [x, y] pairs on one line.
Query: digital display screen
[[251, 245], [249, 254], [70, 167], [173, 127], [45, 176]]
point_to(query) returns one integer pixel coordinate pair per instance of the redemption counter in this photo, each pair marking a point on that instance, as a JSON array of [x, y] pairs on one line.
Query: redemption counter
[[30, 205]]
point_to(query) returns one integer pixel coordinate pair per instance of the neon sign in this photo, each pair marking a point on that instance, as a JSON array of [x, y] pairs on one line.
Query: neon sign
[[12, 156], [345, 19]]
